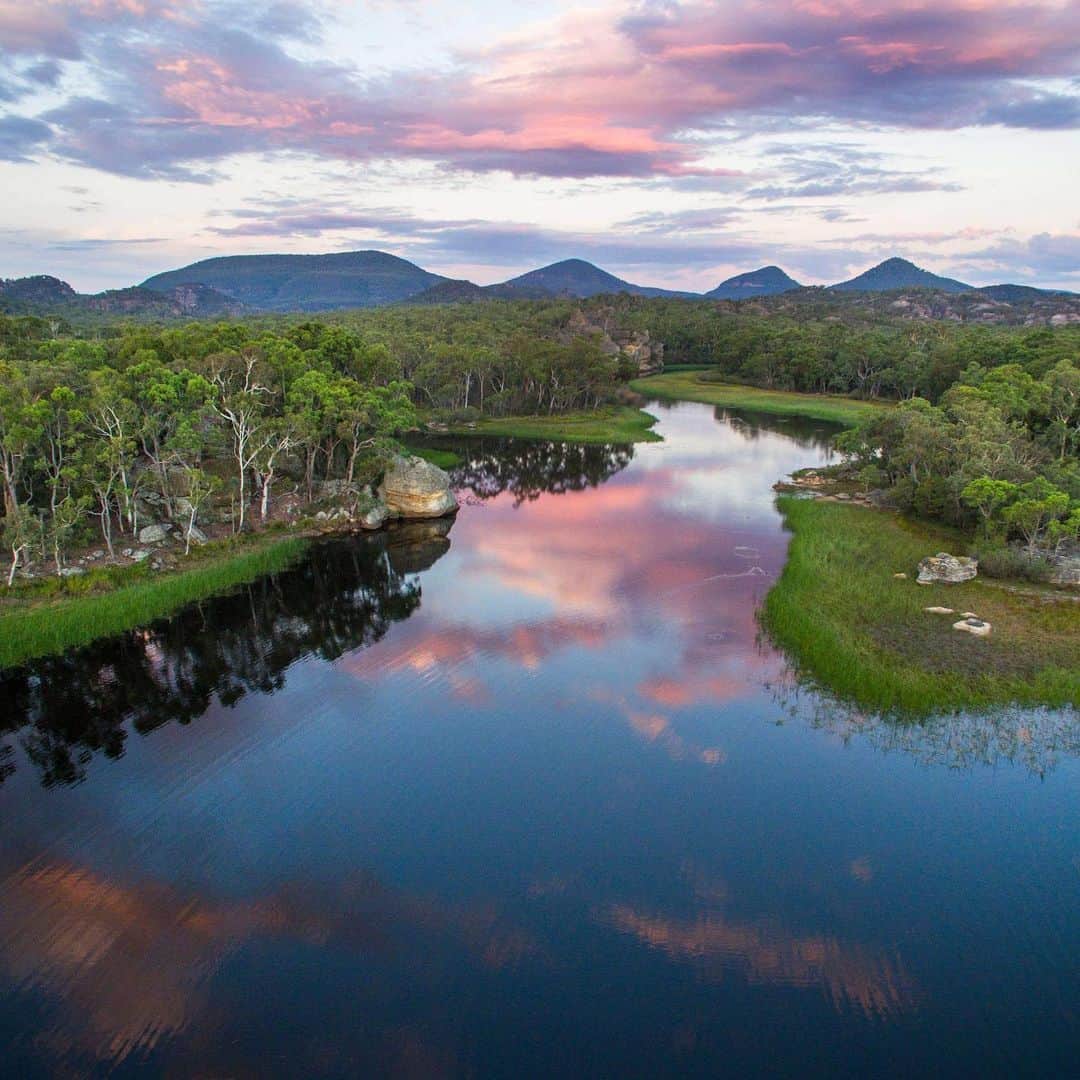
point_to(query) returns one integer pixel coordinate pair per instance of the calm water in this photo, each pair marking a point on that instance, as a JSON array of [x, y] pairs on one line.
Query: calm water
[[528, 797]]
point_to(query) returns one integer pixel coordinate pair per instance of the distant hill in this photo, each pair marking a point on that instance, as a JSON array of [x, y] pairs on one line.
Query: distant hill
[[768, 281], [1020, 294], [38, 291], [578, 278], [899, 274], [44, 295], [466, 292], [195, 301], [350, 279]]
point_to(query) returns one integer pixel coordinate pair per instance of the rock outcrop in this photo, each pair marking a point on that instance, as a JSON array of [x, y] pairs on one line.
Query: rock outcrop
[[637, 346], [946, 569], [414, 488]]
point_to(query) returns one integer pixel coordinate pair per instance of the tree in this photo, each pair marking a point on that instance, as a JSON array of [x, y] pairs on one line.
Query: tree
[[20, 531], [1038, 506], [200, 488], [988, 496], [1064, 404], [242, 401]]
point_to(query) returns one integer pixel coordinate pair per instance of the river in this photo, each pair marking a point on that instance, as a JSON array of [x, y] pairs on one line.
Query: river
[[528, 795]]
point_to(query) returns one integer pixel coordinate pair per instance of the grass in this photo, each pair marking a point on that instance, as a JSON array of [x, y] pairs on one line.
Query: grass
[[858, 632], [445, 459], [614, 424], [32, 625], [692, 386]]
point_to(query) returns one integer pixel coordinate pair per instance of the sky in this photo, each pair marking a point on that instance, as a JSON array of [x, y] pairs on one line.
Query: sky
[[672, 143]]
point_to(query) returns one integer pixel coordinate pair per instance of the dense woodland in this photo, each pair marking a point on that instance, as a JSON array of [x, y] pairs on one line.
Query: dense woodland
[[214, 418]]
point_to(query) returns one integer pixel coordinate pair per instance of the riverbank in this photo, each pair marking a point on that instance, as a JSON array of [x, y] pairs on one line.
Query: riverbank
[[615, 424], [68, 613], [691, 386], [850, 626]]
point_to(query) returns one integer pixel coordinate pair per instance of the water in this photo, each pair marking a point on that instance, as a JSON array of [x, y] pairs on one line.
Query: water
[[528, 797]]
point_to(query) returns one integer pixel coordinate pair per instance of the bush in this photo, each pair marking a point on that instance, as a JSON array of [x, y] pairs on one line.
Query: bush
[[1011, 562]]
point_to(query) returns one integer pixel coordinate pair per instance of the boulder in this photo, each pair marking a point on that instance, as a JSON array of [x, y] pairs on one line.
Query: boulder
[[940, 610], [947, 569], [978, 627], [154, 534], [71, 571], [140, 555], [414, 488], [195, 535]]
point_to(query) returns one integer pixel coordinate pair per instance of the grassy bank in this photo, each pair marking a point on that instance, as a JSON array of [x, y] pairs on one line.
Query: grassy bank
[[617, 424], [445, 459], [35, 625], [854, 629], [691, 386]]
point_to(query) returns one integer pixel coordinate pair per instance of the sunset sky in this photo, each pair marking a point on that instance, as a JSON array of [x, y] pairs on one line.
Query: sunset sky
[[672, 143]]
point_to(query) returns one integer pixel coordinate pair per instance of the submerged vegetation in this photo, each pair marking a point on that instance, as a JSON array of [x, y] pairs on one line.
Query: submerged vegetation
[[855, 629]]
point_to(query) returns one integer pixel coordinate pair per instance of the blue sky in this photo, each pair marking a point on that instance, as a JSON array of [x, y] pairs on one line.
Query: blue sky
[[673, 143]]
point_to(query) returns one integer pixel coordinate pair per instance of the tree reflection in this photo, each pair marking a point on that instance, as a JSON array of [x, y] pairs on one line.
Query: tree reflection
[[1036, 739], [529, 469], [805, 433], [345, 595]]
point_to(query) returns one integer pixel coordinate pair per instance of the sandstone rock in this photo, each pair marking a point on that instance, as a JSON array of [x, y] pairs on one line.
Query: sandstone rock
[[940, 610], [154, 534], [414, 488], [374, 517], [946, 569], [973, 626], [900, 577]]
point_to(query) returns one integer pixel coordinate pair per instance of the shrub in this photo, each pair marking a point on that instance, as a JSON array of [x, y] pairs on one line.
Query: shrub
[[999, 561]]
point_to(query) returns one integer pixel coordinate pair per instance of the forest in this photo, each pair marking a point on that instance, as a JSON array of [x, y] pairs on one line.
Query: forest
[[103, 428]]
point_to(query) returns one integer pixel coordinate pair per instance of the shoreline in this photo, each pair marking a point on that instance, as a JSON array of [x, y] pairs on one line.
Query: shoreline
[[854, 629]]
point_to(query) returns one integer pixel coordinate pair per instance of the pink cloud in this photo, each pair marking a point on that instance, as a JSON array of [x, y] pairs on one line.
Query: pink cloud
[[604, 91]]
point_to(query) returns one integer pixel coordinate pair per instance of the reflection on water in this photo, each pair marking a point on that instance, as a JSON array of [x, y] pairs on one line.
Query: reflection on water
[[345, 596], [536, 801], [530, 469]]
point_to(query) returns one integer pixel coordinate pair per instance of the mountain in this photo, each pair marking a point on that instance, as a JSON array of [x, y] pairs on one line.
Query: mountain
[[899, 274], [768, 281], [41, 290], [576, 277], [305, 282]]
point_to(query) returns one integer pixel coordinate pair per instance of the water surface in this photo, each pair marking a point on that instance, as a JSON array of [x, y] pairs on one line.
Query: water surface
[[527, 795]]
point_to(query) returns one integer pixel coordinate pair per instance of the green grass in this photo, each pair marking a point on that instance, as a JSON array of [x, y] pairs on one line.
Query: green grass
[[615, 424], [853, 629], [33, 626], [691, 386], [445, 459]]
